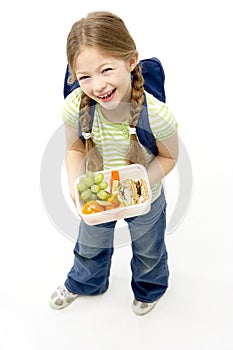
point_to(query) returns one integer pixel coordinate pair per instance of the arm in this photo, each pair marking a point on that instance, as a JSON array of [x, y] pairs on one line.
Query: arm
[[165, 160], [74, 156]]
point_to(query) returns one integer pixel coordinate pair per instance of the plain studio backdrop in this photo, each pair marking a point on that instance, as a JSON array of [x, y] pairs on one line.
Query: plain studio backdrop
[[193, 40]]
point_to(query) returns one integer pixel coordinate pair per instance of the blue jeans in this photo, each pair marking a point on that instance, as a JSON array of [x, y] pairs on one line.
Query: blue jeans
[[94, 248]]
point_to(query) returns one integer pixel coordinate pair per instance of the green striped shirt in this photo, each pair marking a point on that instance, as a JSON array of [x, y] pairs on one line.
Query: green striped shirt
[[113, 139]]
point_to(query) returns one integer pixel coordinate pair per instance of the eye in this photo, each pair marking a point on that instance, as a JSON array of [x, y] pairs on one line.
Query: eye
[[84, 77], [105, 70]]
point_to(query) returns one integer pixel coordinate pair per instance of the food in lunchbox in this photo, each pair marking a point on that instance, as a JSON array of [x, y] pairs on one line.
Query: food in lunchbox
[[92, 207], [96, 206], [92, 186], [132, 191], [96, 198], [114, 181]]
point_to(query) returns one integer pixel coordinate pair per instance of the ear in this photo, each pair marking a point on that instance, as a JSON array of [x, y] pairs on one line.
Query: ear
[[133, 62]]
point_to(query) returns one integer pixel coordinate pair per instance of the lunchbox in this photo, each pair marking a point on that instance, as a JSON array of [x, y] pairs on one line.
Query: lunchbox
[[126, 172]]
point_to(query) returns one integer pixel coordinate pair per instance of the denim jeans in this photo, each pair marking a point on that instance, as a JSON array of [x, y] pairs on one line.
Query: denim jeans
[[94, 248]]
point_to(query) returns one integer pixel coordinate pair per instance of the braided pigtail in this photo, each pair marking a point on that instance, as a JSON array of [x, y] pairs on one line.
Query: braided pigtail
[[135, 153], [94, 159]]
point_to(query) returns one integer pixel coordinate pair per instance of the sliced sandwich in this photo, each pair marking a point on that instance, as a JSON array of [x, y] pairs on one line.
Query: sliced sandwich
[[132, 191]]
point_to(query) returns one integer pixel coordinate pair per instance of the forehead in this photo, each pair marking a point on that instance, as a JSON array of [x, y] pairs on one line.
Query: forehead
[[91, 58]]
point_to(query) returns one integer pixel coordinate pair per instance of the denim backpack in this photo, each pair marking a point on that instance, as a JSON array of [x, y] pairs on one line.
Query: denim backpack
[[154, 78]]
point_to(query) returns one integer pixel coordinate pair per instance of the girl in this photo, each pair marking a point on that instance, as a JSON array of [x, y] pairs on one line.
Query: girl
[[103, 57]]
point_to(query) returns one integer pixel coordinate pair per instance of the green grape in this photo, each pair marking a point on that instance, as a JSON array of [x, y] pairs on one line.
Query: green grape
[[98, 178], [95, 188], [88, 181], [103, 185], [103, 195], [86, 194], [82, 186], [93, 196], [90, 174]]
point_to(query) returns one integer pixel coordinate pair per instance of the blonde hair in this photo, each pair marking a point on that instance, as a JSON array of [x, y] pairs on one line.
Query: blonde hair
[[107, 32]]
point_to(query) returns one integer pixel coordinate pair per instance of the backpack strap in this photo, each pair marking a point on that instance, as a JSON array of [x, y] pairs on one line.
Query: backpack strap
[[144, 131], [154, 78]]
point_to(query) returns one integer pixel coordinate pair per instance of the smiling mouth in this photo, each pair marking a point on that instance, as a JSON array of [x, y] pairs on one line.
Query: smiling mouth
[[107, 95]]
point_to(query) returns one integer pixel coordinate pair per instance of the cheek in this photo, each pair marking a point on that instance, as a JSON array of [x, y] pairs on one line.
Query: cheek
[[86, 88], [125, 82], [121, 81]]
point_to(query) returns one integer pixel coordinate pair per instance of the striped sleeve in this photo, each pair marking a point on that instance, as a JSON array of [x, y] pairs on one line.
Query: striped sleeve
[[70, 108], [162, 121]]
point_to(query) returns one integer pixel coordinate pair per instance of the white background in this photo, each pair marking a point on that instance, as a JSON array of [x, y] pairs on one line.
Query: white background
[[193, 40]]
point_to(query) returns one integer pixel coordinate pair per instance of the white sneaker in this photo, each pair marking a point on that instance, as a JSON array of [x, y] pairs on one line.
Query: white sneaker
[[61, 298], [140, 308]]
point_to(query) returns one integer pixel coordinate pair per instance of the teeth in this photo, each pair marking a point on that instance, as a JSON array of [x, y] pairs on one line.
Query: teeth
[[106, 95]]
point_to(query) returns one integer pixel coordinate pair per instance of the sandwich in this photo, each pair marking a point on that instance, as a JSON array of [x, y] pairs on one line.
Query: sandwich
[[132, 191]]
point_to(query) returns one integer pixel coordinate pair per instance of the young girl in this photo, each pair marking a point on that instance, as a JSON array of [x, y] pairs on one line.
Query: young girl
[[103, 57]]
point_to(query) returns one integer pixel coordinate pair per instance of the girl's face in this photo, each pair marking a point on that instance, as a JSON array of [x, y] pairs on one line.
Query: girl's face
[[103, 78]]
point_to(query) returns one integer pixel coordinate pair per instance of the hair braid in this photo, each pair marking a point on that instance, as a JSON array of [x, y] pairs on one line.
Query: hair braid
[[135, 153], [84, 114], [94, 160]]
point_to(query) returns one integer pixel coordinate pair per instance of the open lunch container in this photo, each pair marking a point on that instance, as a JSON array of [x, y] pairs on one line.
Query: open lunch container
[[134, 171]]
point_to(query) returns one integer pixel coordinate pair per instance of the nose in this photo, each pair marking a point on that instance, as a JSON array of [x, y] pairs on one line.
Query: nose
[[98, 84]]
